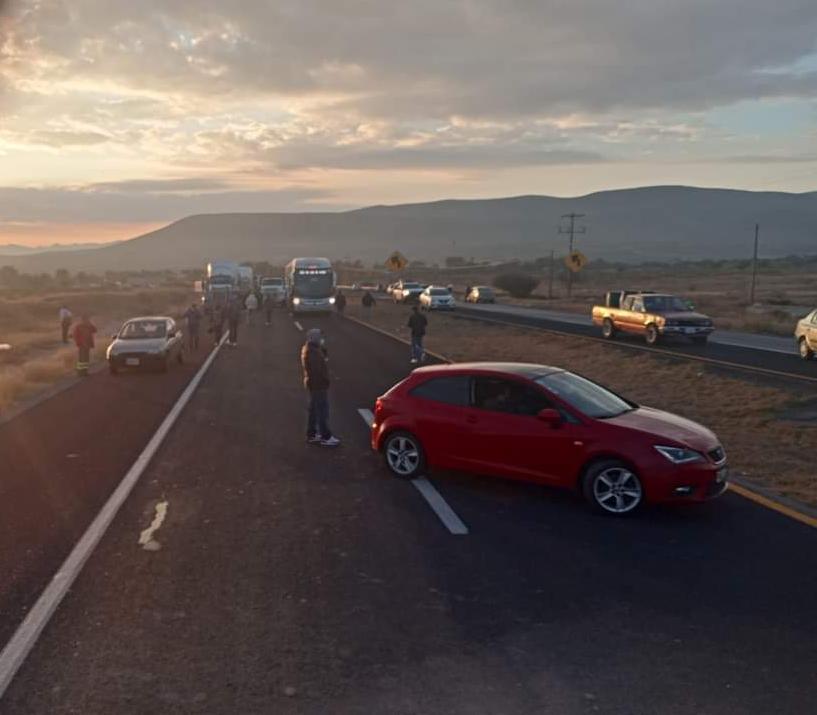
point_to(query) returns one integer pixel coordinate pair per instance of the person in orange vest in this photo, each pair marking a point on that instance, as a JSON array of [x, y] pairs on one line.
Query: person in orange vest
[[84, 339]]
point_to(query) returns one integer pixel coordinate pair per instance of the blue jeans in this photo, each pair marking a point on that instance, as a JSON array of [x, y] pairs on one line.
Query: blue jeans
[[318, 420], [417, 351]]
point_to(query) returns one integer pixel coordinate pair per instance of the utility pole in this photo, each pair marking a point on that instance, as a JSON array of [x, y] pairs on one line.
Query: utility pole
[[550, 281], [571, 231], [754, 270]]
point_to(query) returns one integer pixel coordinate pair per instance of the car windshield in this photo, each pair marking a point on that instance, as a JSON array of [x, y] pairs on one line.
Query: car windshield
[[144, 329], [438, 291], [410, 286], [664, 304], [485, 291], [587, 397]]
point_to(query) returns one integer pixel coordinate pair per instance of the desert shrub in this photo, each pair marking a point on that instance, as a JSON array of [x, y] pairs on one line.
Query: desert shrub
[[519, 285]]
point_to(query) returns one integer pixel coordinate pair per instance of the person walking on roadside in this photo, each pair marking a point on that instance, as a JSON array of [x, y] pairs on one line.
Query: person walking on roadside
[[193, 317], [233, 316], [84, 339], [467, 292], [251, 304], [316, 381], [368, 302], [66, 316], [269, 305], [340, 302], [417, 323]]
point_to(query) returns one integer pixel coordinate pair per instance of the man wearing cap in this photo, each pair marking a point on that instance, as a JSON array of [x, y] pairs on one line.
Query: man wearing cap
[[316, 381]]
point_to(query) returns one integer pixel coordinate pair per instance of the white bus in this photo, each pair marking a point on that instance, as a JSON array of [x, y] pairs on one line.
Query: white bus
[[310, 284]]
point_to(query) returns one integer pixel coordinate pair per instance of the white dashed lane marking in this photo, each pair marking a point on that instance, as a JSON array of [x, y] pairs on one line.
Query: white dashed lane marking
[[433, 498], [299, 326]]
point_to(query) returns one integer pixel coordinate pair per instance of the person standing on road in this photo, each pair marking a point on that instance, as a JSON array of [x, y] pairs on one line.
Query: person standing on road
[[468, 290], [84, 338], [251, 304], [340, 302], [193, 317], [218, 314], [368, 302], [269, 305], [417, 324], [316, 382], [66, 316], [233, 316]]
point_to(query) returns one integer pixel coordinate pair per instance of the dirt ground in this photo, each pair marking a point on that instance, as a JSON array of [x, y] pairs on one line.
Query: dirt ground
[[28, 322], [746, 414]]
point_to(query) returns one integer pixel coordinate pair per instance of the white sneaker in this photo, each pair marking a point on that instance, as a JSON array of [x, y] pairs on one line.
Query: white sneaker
[[330, 442], [413, 361], [317, 439]]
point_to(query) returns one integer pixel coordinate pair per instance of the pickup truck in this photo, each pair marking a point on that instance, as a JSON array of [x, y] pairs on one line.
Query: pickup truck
[[653, 315]]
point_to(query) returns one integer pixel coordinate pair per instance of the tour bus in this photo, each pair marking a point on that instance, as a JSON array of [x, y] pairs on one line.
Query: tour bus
[[310, 285]]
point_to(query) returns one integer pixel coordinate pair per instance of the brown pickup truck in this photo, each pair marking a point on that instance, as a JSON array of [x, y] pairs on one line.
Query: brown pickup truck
[[653, 315]]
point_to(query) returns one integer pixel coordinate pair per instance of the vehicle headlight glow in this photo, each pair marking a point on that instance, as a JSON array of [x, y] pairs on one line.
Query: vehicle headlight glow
[[296, 301], [332, 301], [679, 455]]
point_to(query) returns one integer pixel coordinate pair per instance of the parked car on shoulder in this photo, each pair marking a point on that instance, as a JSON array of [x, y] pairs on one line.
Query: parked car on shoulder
[[481, 294], [274, 288], [146, 342], [806, 335], [546, 425], [652, 315], [406, 292], [437, 298]]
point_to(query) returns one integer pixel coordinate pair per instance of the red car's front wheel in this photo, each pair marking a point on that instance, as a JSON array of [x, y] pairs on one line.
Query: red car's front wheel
[[612, 487]]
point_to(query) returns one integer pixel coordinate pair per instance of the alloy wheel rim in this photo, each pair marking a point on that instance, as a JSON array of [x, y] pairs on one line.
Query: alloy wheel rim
[[403, 455], [617, 490]]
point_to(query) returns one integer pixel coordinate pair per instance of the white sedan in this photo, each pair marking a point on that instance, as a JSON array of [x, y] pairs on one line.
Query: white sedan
[[436, 298]]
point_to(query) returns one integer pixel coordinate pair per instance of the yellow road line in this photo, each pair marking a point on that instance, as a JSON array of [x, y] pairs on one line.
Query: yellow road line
[[764, 501], [806, 519]]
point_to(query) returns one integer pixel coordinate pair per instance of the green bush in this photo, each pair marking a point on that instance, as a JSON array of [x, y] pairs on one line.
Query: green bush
[[519, 285]]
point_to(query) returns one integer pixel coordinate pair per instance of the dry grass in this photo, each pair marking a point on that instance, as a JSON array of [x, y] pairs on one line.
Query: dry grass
[[743, 412], [38, 358]]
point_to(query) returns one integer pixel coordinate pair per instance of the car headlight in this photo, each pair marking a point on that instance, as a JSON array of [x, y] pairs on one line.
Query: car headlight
[[296, 301], [679, 455], [331, 301]]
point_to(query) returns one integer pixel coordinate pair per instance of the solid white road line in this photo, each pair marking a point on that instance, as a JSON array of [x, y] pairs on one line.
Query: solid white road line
[[435, 500], [440, 506], [24, 638], [299, 326]]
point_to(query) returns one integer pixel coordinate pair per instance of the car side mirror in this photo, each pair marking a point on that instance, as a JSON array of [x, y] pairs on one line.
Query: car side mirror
[[550, 417]]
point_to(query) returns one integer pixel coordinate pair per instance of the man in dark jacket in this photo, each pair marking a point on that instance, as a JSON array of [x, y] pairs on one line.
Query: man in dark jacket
[[417, 324], [193, 317], [316, 381], [340, 302]]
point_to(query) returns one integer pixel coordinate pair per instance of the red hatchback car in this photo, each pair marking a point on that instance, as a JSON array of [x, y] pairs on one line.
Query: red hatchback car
[[547, 425]]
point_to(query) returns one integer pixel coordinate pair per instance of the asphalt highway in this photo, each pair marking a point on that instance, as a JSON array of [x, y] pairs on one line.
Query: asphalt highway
[[750, 351], [289, 578]]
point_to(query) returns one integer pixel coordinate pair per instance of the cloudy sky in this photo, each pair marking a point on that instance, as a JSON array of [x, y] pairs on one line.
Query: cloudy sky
[[117, 115]]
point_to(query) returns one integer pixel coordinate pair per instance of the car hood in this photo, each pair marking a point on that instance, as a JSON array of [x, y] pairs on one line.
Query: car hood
[[668, 427], [684, 315], [145, 345]]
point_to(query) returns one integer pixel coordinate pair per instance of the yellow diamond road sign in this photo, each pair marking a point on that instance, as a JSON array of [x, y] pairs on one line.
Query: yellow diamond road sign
[[576, 261], [396, 261]]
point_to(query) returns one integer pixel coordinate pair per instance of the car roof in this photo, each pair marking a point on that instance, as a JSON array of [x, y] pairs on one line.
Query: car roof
[[520, 369], [148, 317]]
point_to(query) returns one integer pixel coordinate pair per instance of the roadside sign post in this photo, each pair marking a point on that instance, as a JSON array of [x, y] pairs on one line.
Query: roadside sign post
[[571, 231]]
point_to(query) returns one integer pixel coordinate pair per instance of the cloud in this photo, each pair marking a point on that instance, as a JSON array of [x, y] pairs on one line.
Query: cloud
[[66, 138], [476, 58]]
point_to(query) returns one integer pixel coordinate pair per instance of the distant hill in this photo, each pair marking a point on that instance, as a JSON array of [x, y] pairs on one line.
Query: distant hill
[[15, 249], [654, 223]]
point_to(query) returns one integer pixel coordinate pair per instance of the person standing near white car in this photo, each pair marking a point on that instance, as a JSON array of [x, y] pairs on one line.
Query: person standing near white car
[[251, 304]]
